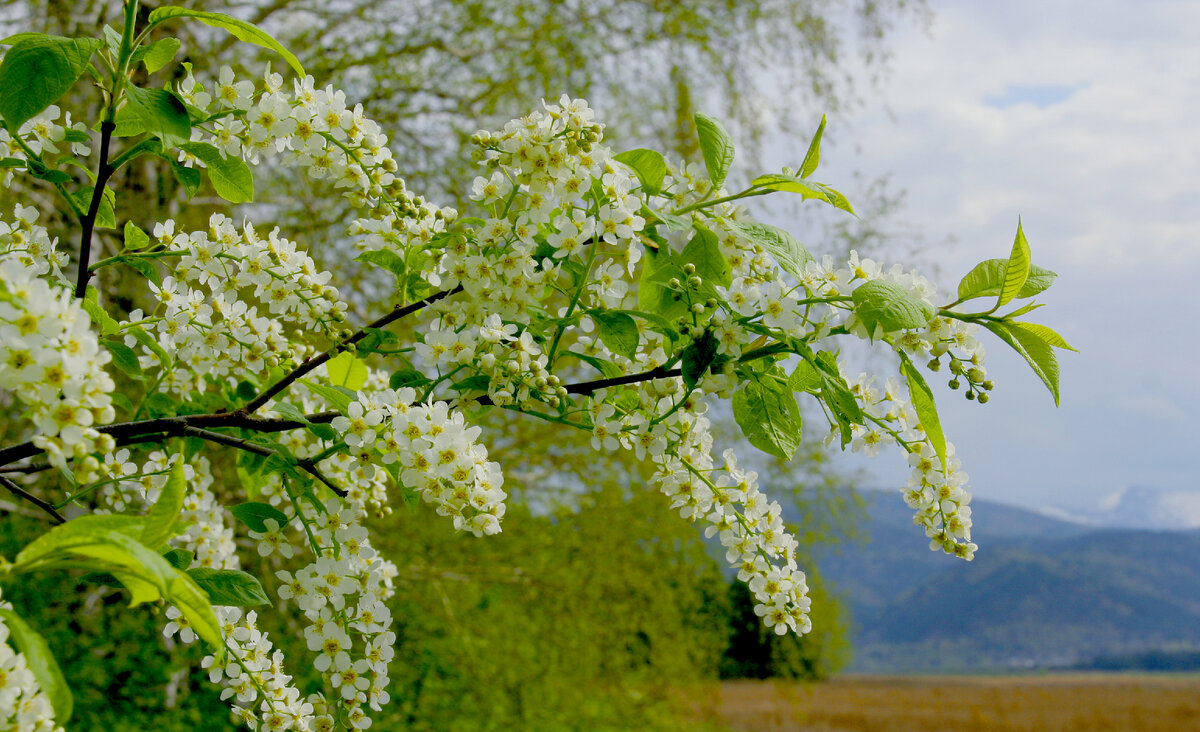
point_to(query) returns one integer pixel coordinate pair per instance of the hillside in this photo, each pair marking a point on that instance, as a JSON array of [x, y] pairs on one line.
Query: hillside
[[1040, 593]]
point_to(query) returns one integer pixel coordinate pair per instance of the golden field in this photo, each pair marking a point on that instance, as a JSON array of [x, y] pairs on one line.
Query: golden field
[[1074, 702]]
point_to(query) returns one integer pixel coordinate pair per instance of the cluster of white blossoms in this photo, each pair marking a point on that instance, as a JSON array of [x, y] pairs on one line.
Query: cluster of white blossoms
[[24, 707], [939, 497], [51, 358], [434, 452], [41, 135], [232, 306]]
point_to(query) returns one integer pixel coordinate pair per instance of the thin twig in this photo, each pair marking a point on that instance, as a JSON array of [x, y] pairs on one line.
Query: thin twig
[[397, 313], [88, 224], [20, 492]]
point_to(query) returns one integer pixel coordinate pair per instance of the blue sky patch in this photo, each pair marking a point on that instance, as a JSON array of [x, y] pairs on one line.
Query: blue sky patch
[[1039, 95]]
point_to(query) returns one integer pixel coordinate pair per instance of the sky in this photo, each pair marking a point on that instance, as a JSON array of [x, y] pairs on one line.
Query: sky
[[1081, 119]]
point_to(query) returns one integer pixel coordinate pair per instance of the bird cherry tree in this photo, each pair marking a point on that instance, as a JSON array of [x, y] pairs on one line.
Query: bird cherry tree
[[617, 293]]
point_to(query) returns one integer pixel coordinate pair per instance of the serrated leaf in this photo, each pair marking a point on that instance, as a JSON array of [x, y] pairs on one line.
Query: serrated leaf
[[697, 358], [987, 278], [1036, 352], [105, 219], [240, 29], [229, 587], [230, 176], [1016, 270], [658, 267], [160, 113], [346, 370], [923, 402], [813, 156], [888, 305], [716, 146], [791, 255], [617, 331], [649, 167], [162, 515], [255, 514], [767, 413], [38, 70], [41, 663]]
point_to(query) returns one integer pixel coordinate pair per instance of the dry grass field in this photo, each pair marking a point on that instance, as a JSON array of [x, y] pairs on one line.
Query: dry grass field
[[1049, 703]]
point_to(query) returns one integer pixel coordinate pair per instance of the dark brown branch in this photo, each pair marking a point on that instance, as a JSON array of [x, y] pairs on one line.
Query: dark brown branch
[[153, 430], [304, 368], [591, 387], [311, 468], [88, 224], [20, 492]]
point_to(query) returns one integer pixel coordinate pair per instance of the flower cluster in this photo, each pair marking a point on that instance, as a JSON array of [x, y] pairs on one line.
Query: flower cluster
[[233, 305], [51, 358], [42, 136], [24, 707]]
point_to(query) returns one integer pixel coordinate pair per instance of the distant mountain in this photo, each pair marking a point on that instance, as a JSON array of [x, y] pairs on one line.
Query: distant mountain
[[1156, 509], [1040, 592]]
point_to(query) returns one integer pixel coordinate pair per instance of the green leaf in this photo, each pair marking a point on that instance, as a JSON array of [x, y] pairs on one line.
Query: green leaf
[[152, 146], [255, 514], [607, 369], [716, 146], [229, 587], [338, 397], [617, 331], [135, 239], [477, 382], [124, 357], [791, 255], [105, 219], [987, 278], [1044, 333], [813, 157], [100, 318], [1036, 352], [806, 377], [157, 54], [649, 167], [697, 358], [289, 411], [231, 178], [346, 370], [888, 305], [1016, 271], [179, 558], [189, 178], [43, 172], [40, 660], [766, 411], [805, 188], [37, 71], [654, 297], [160, 113], [105, 544], [163, 514], [240, 29], [923, 402], [141, 336], [407, 377], [386, 259], [704, 252]]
